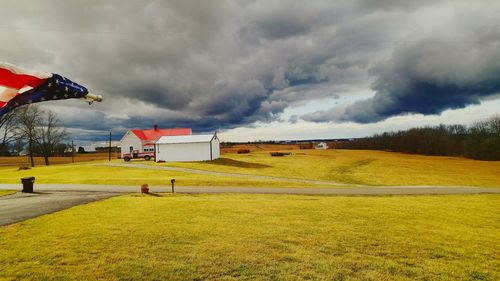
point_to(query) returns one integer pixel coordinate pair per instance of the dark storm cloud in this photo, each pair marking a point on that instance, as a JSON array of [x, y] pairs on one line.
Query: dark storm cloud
[[394, 4], [437, 72], [221, 64]]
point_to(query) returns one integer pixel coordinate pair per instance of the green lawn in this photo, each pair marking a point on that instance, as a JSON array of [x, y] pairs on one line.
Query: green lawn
[[260, 237]]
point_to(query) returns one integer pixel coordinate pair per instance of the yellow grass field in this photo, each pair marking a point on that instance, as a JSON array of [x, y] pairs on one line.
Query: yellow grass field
[[343, 166], [259, 237], [359, 167], [85, 174]]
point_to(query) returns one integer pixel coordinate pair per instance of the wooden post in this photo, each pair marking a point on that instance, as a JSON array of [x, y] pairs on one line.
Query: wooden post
[[72, 152], [172, 181], [109, 150]]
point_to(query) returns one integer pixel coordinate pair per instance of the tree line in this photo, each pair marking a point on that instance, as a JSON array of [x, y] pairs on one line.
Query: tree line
[[481, 140], [33, 130]]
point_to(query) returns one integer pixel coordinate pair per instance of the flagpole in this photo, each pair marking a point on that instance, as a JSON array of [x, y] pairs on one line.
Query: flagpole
[[93, 97]]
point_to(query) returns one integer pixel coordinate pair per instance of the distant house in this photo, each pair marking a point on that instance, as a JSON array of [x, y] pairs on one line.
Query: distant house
[[144, 140], [322, 145], [187, 148]]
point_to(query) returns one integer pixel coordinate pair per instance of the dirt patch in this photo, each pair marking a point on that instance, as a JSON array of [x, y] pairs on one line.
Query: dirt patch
[[236, 163], [257, 147]]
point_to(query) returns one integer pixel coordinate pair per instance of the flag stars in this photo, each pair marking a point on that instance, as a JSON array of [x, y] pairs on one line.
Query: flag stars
[[54, 89]]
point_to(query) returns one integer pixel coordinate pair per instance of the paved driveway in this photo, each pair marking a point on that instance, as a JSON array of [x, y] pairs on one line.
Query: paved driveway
[[22, 206]]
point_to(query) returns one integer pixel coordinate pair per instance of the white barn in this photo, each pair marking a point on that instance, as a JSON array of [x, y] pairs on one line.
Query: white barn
[[187, 148], [144, 140]]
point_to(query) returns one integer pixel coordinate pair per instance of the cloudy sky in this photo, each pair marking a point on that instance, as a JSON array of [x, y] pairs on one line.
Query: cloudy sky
[[262, 69]]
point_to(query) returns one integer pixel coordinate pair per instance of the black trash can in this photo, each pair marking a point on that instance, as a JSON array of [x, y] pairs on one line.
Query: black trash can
[[28, 184]]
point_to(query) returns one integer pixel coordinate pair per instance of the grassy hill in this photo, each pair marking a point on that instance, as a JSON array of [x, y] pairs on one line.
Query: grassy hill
[[344, 166]]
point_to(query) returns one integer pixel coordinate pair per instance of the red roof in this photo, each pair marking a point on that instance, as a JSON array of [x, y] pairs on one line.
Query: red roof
[[153, 135]]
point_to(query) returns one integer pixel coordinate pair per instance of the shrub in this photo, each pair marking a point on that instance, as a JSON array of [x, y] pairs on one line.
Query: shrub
[[279, 154], [145, 188], [243, 151], [307, 145]]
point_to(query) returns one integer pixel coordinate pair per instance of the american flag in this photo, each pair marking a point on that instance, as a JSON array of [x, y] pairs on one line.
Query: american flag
[[19, 87]]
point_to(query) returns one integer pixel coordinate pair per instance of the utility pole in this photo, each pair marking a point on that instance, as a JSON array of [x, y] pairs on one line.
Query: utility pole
[[109, 151], [72, 152]]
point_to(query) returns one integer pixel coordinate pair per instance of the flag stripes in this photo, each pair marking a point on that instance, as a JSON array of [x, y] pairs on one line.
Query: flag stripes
[[19, 87]]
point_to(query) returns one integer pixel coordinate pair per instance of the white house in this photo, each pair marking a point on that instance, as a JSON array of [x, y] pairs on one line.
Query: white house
[[322, 145], [144, 140], [187, 148]]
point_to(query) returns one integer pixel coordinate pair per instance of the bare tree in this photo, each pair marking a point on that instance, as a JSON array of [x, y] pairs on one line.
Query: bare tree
[[8, 126], [39, 129], [29, 119], [481, 140], [18, 146], [49, 135], [61, 148]]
